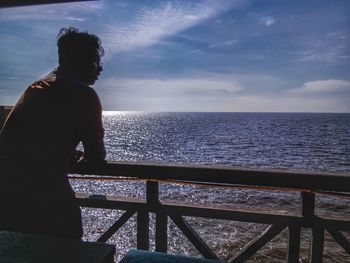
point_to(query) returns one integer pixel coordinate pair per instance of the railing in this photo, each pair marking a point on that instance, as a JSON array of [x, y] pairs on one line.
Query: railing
[[305, 183]]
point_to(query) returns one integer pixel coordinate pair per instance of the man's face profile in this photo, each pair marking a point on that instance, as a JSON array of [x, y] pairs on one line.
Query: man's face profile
[[92, 68]]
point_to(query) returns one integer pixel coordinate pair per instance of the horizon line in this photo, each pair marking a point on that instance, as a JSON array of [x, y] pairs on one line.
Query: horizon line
[[152, 111]]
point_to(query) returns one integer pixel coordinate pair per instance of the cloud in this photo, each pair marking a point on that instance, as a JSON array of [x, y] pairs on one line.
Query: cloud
[[173, 87], [153, 24], [328, 54], [262, 19], [220, 93], [331, 47], [122, 4], [333, 86], [224, 44], [227, 43], [167, 94], [205, 95], [282, 104], [267, 20]]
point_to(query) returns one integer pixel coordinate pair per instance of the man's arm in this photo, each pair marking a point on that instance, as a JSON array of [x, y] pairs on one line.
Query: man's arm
[[93, 131]]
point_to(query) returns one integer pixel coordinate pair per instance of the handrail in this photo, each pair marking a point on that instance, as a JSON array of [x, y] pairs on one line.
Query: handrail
[[271, 178]]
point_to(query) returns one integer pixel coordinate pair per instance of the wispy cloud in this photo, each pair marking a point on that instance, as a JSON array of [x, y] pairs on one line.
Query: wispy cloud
[[175, 87], [223, 44], [327, 47], [166, 94], [153, 24], [333, 86], [267, 20], [263, 19], [282, 104], [327, 54], [122, 4]]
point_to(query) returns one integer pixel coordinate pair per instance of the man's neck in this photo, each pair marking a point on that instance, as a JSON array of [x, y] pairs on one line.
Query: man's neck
[[69, 74]]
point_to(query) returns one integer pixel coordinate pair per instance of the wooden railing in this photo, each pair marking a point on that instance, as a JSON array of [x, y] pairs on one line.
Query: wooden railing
[[306, 183]]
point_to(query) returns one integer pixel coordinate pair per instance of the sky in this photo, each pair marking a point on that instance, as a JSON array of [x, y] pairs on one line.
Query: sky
[[204, 55]]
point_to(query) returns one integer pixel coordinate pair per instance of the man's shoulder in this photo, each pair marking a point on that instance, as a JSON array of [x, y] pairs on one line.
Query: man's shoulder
[[84, 92], [93, 98], [43, 84], [91, 92]]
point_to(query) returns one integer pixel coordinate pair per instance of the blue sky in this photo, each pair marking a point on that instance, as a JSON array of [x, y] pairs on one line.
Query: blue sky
[[210, 55]]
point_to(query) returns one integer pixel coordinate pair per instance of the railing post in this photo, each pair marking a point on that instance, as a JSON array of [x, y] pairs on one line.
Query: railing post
[[143, 215], [152, 198], [293, 244], [143, 230], [161, 232], [152, 193], [317, 230], [317, 242], [308, 205]]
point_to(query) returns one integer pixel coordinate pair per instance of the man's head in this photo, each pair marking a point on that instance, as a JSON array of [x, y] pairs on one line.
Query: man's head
[[80, 54]]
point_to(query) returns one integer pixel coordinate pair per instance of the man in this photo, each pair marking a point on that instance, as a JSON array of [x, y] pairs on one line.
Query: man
[[39, 139]]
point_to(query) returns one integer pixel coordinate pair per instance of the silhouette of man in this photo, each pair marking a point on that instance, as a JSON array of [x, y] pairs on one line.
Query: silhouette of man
[[39, 139]]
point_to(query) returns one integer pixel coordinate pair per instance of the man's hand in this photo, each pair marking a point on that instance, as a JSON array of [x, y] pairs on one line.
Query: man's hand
[[81, 164], [78, 156]]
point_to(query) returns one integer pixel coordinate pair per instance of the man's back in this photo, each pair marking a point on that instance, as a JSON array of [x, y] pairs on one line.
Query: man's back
[[50, 119], [41, 134]]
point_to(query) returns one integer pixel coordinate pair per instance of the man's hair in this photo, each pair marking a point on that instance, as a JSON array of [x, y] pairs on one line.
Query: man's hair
[[74, 46]]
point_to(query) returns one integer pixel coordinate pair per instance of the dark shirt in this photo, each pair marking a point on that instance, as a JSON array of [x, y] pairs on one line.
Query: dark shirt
[[39, 139]]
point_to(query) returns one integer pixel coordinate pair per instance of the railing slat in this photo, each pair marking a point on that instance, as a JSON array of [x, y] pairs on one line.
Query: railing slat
[[229, 214], [152, 199], [341, 225], [110, 202], [143, 230], [293, 244], [252, 247], [196, 211], [317, 241], [193, 237], [161, 232], [115, 227], [340, 238]]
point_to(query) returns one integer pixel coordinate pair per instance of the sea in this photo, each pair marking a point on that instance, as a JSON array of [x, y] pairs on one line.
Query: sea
[[290, 141]]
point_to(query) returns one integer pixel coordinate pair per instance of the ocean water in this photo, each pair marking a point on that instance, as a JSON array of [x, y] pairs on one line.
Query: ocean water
[[292, 141]]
